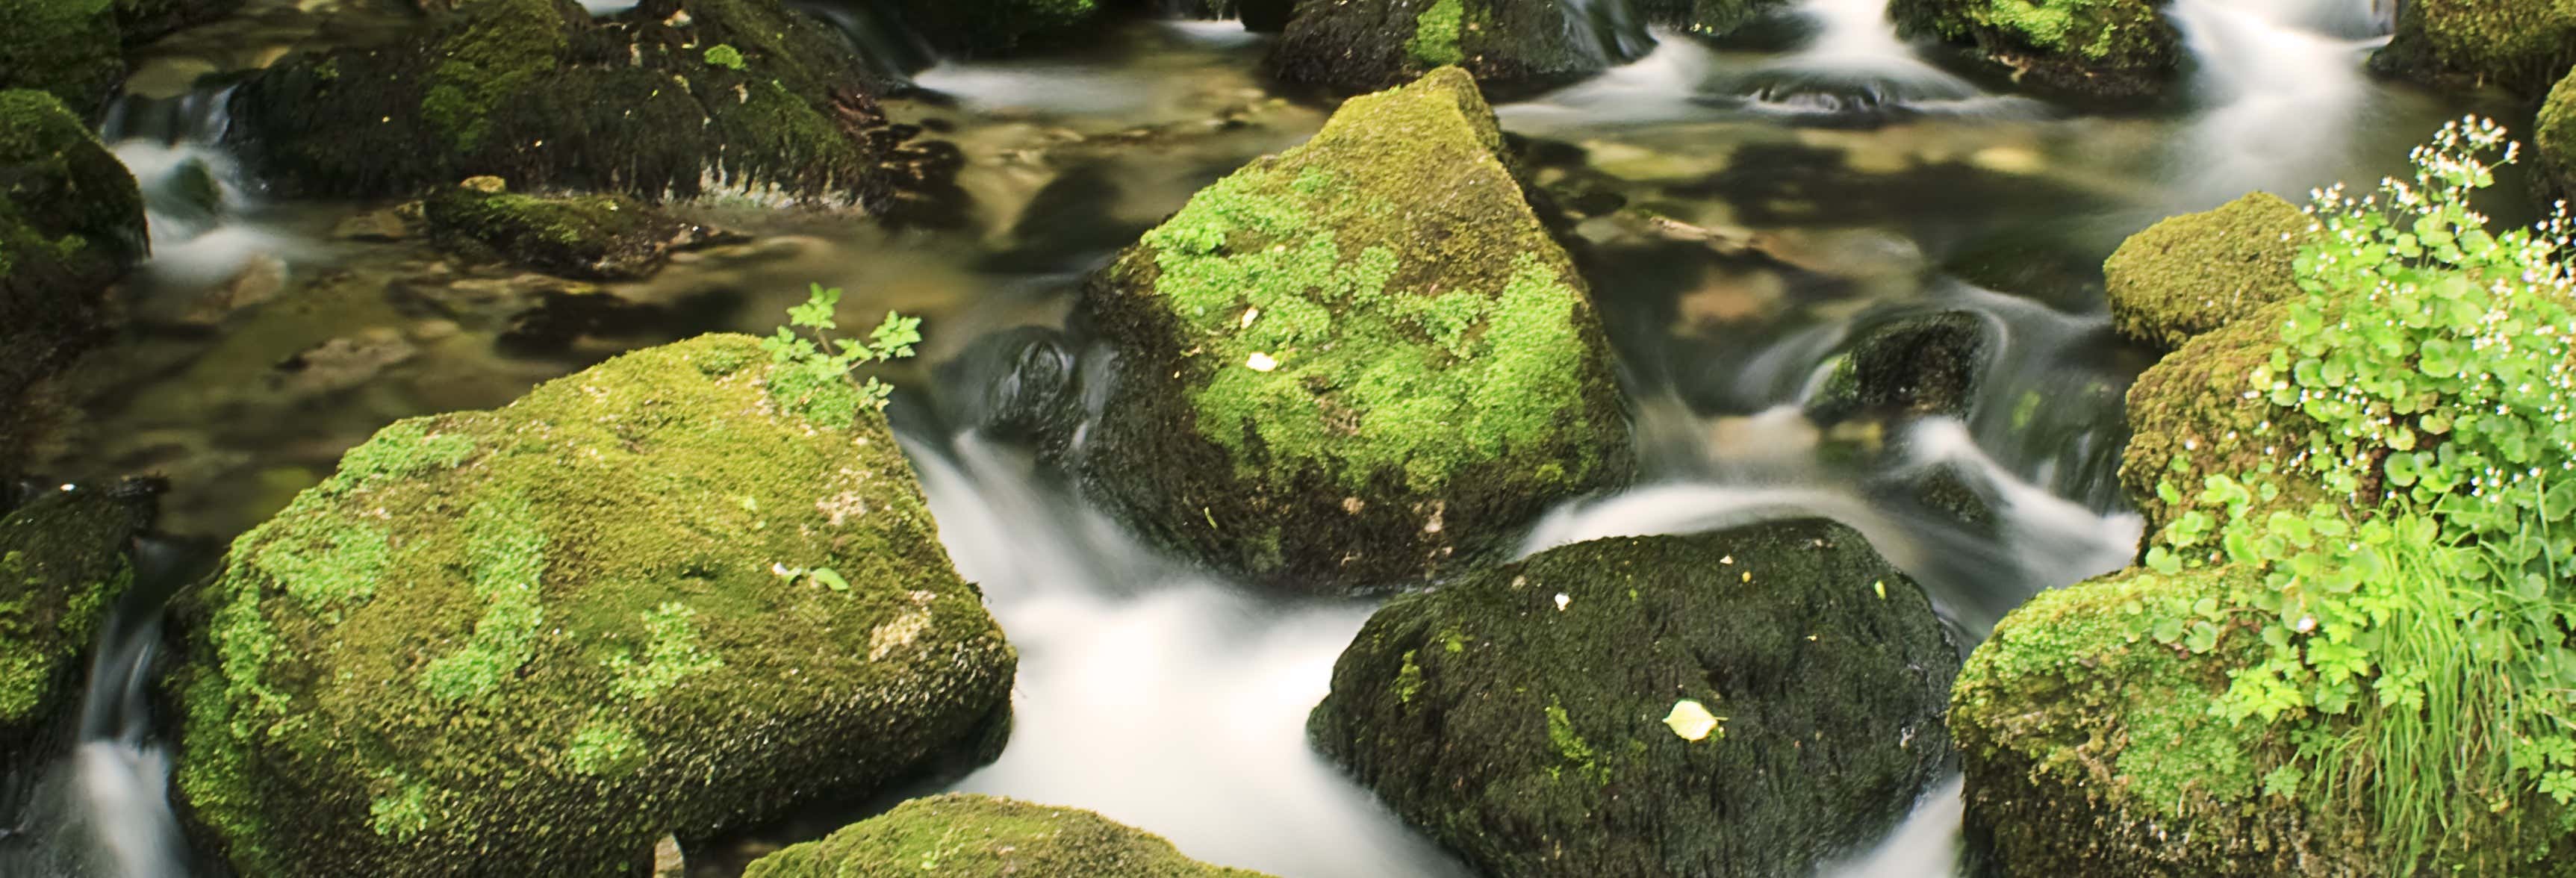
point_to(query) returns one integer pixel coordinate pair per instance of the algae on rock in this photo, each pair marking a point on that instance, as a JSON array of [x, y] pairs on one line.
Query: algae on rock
[[962, 835], [597, 237], [536, 639], [1515, 713], [63, 565], [2193, 273], [2120, 50], [1359, 362]]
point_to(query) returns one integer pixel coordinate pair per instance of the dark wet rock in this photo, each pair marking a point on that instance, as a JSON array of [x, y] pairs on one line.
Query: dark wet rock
[[1019, 384], [2037, 264], [595, 237], [674, 99], [2199, 271], [659, 596], [1513, 47], [1360, 362], [2095, 50], [143, 21], [1926, 364], [1518, 715], [1944, 489], [970, 836], [71, 224], [1265, 16], [1707, 18], [985, 27], [63, 564], [2519, 45]]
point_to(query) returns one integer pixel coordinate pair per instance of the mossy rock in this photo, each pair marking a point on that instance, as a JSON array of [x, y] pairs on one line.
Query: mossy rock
[[598, 237], [987, 27], [68, 48], [1359, 362], [1514, 47], [2190, 418], [961, 835], [142, 21], [2556, 142], [2090, 748], [2519, 45], [1514, 714], [2098, 50], [2196, 272], [673, 99], [71, 223], [1925, 364], [63, 564], [531, 641]]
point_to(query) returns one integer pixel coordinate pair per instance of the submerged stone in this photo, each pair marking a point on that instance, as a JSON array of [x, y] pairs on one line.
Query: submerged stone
[[1927, 364], [1513, 47], [673, 99], [598, 237], [671, 594], [2519, 45], [961, 835], [63, 564], [71, 223], [1362, 361], [2106, 50], [1532, 717], [2196, 272]]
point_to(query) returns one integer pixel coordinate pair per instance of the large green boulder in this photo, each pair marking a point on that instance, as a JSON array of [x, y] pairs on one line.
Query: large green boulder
[[1537, 718], [1514, 47], [71, 223], [969, 836], [2091, 746], [675, 98], [69, 48], [2519, 45], [63, 565], [681, 591], [2196, 272], [2556, 141], [2106, 50], [1361, 361], [2193, 415]]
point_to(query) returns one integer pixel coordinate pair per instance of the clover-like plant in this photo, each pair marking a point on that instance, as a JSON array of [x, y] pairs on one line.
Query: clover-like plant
[[813, 373]]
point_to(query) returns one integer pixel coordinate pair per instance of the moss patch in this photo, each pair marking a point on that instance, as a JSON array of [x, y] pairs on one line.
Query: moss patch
[[2196, 272], [557, 623], [2190, 418], [2555, 136], [2521, 45], [62, 566], [69, 48], [969, 836], [1435, 34], [2105, 49]]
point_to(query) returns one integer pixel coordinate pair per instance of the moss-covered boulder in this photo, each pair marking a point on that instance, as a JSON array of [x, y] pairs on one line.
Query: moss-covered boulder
[[1924, 364], [1514, 47], [69, 48], [1358, 362], [63, 564], [673, 593], [673, 99], [598, 237], [2555, 139], [2109, 50], [2518, 45], [971, 836], [1740, 703], [2191, 417], [71, 223], [2196, 272]]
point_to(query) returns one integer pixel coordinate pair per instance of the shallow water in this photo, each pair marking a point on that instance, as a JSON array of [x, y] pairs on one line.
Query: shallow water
[[1810, 192]]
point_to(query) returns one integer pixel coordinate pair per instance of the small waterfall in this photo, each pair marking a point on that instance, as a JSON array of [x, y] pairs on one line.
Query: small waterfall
[[200, 208], [2284, 84], [1154, 695]]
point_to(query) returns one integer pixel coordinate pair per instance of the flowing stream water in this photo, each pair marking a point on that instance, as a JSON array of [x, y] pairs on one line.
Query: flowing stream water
[[1809, 194]]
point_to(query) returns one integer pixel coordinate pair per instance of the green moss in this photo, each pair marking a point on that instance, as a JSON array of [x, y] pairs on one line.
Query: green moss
[[2554, 134], [2113, 49], [565, 643], [969, 836], [1571, 747], [69, 48], [2522, 45], [501, 47], [1408, 678], [2190, 418], [2196, 272], [725, 56], [1435, 35]]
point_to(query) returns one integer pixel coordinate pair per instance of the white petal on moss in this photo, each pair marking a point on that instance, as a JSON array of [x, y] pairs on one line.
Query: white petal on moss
[[1691, 720]]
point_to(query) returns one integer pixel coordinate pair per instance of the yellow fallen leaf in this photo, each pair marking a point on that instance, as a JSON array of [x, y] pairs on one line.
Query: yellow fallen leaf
[[1691, 720]]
